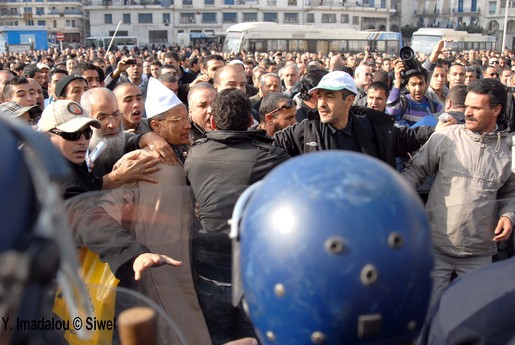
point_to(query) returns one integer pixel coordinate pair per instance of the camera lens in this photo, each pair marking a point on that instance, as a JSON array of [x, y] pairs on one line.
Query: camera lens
[[406, 54]]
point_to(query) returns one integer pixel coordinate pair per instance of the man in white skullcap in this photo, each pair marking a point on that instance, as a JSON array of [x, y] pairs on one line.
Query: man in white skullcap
[[160, 222]]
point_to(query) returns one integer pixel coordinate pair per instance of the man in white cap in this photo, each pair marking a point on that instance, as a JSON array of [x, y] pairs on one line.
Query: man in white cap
[[344, 127], [161, 223]]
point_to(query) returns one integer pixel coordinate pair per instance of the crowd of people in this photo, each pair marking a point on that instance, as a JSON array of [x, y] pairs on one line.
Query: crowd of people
[[217, 123]]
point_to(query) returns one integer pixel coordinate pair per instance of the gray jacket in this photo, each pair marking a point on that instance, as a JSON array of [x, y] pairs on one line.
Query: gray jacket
[[473, 181]]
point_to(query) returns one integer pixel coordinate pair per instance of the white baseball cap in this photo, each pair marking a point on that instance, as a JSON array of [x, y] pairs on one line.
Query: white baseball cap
[[337, 81]]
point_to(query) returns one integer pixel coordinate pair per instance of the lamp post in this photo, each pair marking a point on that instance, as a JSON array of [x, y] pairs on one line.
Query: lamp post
[[505, 26]]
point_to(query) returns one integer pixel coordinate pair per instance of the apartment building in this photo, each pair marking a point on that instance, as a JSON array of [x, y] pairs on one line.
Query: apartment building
[[56, 16], [159, 21]]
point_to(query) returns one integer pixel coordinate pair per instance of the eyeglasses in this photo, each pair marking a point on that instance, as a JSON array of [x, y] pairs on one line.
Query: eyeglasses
[[88, 132], [494, 62], [288, 105], [494, 74], [177, 120], [106, 118]]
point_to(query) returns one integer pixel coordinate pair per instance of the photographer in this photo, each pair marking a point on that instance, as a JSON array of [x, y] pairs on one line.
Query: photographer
[[412, 107]]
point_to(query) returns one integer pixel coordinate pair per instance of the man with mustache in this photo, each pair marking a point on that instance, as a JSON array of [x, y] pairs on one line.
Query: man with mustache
[[70, 130], [143, 246], [470, 162]]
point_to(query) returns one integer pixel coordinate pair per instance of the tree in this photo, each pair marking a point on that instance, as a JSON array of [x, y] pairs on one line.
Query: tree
[[471, 29]]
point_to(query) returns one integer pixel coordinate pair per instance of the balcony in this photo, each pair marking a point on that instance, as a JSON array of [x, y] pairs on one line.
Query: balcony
[[465, 12], [187, 20]]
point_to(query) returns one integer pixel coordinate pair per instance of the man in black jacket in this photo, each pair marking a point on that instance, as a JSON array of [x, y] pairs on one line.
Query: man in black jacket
[[346, 127], [219, 168]]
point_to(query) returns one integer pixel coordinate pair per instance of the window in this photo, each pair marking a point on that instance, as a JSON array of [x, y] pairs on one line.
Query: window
[[291, 18], [187, 2], [344, 18], [119, 33], [41, 22], [270, 17], [166, 18], [126, 18], [292, 2], [108, 18], [40, 11], [209, 17], [228, 2], [473, 6], [209, 2], [27, 10], [310, 18], [187, 18], [71, 23], [492, 7], [29, 22], [250, 17], [229, 17], [460, 5], [145, 18], [355, 20], [328, 18], [158, 36]]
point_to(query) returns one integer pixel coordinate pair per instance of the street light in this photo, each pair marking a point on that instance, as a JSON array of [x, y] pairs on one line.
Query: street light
[[505, 25]]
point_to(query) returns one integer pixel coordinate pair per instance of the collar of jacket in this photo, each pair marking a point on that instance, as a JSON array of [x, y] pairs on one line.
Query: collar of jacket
[[236, 136]]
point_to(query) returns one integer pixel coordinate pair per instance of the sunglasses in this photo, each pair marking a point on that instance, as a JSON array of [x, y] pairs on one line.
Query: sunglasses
[[88, 132], [494, 74], [288, 105]]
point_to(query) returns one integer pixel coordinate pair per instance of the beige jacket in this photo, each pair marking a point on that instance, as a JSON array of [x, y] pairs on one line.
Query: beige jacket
[[471, 191], [161, 217]]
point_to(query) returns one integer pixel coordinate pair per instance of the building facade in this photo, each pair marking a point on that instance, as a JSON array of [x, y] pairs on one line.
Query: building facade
[[490, 15], [64, 16], [160, 21]]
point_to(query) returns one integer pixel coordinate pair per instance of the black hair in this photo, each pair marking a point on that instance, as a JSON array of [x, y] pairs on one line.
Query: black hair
[[232, 110], [494, 89], [271, 102], [309, 81]]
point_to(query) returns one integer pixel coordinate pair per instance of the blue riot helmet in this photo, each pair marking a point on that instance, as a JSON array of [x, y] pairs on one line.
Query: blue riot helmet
[[36, 244], [332, 247]]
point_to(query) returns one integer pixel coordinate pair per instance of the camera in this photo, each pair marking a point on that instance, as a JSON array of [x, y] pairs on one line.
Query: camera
[[407, 56], [131, 62], [450, 45]]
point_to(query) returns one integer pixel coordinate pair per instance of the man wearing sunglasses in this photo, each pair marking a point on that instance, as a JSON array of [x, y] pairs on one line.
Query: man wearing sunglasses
[[491, 72], [277, 111], [70, 131]]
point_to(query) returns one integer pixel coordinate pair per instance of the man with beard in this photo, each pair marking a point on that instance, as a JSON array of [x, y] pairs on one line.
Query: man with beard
[[101, 104], [411, 108], [130, 103]]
